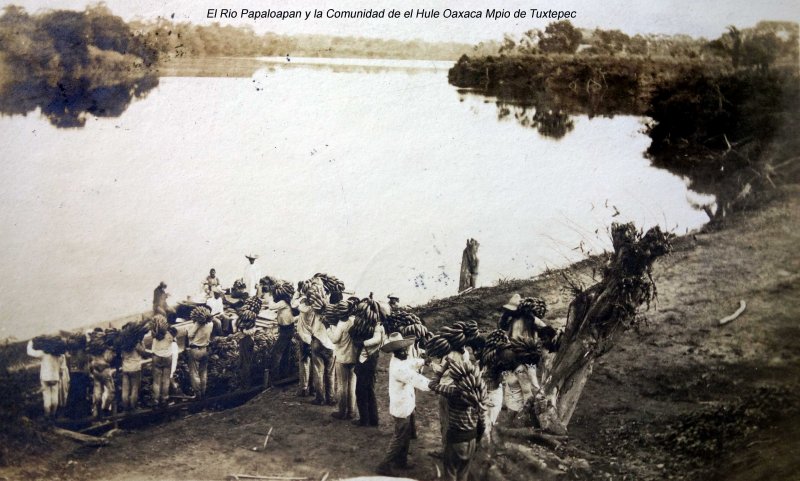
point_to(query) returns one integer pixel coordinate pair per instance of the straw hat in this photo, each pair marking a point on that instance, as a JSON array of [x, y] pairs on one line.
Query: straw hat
[[396, 341], [513, 303]]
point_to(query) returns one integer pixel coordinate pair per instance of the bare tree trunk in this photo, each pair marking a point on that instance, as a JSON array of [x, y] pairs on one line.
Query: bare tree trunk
[[594, 318]]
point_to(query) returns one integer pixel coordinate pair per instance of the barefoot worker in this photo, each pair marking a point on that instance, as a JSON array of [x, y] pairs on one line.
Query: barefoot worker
[[365, 378], [466, 400], [51, 350], [101, 355], [403, 380], [165, 358], [304, 319], [322, 349], [132, 353], [280, 368], [199, 335], [346, 357]]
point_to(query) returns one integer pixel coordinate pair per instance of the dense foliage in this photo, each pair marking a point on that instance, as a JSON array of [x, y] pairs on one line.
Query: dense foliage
[[729, 134], [69, 64]]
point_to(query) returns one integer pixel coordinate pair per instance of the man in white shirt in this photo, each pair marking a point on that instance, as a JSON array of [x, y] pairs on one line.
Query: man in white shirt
[[322, 356], [51, 373], [346, 358], [252, 274], [222, 321], [404, 378]]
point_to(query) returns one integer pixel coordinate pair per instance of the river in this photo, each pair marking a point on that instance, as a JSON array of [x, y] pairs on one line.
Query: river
[[374, 171]]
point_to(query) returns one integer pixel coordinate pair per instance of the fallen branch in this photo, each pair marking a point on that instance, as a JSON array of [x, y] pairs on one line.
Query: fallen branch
[[84, 439], [725, 320], [266, 439], [325, 476], [527, 434], [249, 476]]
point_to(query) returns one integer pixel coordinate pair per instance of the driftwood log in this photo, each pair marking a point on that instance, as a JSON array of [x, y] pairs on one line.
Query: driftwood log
[[84, 439]]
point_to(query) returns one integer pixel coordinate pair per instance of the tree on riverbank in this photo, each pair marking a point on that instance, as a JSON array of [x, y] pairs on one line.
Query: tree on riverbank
[[69, 64], [595, 319]]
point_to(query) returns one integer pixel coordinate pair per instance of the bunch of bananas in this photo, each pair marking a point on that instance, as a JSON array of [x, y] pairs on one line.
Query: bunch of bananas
[[253, 303], [417, 330], [315, 295], [368, 313], [371, 310], [130, 336], [53, 345], [526, 351], [459, 333], [77, 341], [495, 342], [302, 286], [332, 285], [338, 312], [468, 380], [247, 319], [282, 290], [533, 306], [159, 327], [100, 341], [437, 346], [400, 318], [200, 315]]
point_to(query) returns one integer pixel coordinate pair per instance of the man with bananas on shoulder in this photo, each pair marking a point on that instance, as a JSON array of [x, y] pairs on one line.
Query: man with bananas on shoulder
[[466, 398]]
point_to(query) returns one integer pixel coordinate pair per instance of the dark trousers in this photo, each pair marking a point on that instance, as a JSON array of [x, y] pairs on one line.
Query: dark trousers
[[365, 391], [280, 367], [397, 453], [457, 459]]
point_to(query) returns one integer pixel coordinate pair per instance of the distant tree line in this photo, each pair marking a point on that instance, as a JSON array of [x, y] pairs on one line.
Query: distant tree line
[[759, 46], [184, 39]]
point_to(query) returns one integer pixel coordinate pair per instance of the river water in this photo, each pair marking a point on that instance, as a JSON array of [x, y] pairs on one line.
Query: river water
[[376, 172]]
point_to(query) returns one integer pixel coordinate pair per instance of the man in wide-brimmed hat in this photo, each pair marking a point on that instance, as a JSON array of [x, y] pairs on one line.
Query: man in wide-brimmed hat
[[394, 301], [403, 379], [252, 275]]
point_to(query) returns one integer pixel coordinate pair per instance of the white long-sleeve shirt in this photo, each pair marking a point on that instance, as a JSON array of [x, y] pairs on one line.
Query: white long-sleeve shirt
[[340, 336], [51, 365], [252, 274], [313, 324], [215, 305], [403, 379]]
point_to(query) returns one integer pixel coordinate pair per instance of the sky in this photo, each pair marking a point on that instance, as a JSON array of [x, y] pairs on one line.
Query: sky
[[704, 18]]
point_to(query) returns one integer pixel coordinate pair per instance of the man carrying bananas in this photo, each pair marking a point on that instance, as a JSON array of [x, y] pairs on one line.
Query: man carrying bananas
[[466, 402], [403, 380]]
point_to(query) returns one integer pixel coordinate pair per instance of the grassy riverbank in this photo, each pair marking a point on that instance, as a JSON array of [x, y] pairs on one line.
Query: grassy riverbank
[[681, 398]]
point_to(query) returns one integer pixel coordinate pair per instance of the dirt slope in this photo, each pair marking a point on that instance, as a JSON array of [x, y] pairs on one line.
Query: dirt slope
[[679, 399]]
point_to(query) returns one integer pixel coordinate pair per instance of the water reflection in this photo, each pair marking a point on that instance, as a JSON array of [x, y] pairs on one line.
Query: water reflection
[[549, 123], [550, 109], [71, 64], [68, 101]]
